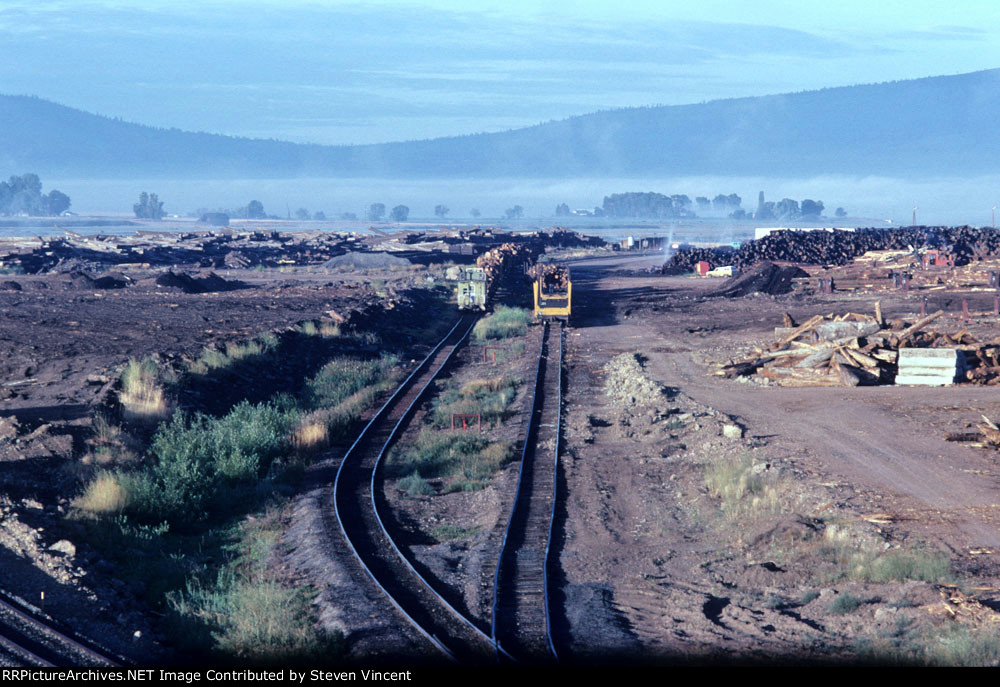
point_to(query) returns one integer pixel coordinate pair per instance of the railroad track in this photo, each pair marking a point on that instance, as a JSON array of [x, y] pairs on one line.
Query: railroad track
[[27, 640], [521, 622], [450, 632]]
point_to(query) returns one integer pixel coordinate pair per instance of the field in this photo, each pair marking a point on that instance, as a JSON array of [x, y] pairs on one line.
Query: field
[[701, 519]]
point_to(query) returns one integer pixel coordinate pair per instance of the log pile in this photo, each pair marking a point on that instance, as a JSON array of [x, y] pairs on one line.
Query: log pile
[[962, 244], [553, 277], [853, 349], [505, 259]]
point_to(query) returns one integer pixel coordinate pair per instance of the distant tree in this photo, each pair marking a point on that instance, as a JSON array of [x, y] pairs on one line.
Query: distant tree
[[23, 194], [598, 211], [516, 212], [351, 216], [56, 202], [400, 213], [840, 212], [738, 213], [787, 209], [376, 211], [647, 205], [255, 210], [475, 212], [562, 210], [441, 211], [812, 208], [148, 207], [703, 203], [302, 213], [319, 215]]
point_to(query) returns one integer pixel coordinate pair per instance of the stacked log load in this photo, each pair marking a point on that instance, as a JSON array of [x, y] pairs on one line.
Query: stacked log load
[[962, 244]]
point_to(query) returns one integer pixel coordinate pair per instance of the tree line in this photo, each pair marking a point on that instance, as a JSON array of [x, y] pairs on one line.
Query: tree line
[[679, 206], [22, 195]]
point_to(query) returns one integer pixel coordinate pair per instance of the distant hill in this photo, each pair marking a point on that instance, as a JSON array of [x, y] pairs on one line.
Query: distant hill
[[943, 125]]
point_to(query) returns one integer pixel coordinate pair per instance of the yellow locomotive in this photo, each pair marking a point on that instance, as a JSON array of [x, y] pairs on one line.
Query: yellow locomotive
[[553, 291]]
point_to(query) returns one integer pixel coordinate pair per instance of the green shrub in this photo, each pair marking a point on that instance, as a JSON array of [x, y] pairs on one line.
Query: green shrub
[[415, 485], [449, 532], [460, 455], [845, 603], [504, 323], [342, 377], [490, 398], [244, 613], [196, 456], [898, 565]]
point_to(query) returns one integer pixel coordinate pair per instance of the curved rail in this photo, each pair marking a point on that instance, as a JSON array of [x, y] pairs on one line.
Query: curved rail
[[35, 624], [424, 608], [520, 584]]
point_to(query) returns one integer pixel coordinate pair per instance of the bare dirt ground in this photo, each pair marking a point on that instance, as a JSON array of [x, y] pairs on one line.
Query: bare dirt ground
[[654, 572]]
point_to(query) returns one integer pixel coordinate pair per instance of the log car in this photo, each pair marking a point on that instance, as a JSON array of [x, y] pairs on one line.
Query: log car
[[553, 292]]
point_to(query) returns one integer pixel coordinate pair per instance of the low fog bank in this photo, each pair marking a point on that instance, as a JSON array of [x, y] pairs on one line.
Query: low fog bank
[[876, 200]]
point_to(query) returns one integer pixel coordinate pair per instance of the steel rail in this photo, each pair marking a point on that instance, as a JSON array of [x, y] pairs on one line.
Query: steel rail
[[385, 447], [521, 497], [405, 387], [48, 629], [552, 515]]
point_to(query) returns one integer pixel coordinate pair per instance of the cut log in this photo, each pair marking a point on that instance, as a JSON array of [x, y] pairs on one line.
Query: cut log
[[833, 331], [916, 326], [849, 375], [805, 327]]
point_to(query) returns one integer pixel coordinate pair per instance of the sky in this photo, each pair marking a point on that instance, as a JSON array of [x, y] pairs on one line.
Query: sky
[[342, 72]]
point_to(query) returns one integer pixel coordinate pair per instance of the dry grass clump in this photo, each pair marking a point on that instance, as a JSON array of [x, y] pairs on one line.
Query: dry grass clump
[[748, 493], [104, 495], [311, 435], [142, 396], [214, 359]]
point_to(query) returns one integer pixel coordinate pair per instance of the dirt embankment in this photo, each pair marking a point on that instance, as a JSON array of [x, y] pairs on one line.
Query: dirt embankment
[[66, 340]]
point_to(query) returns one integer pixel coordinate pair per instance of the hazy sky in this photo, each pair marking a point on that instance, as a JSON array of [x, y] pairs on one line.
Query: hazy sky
[[339, 72]]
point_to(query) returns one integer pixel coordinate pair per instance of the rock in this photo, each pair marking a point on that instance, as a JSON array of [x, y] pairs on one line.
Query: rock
[[884, 613], [8, 427], [731, 431], [64, 546]]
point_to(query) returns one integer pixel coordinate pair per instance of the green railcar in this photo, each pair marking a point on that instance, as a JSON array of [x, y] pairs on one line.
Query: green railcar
[[471, 288]]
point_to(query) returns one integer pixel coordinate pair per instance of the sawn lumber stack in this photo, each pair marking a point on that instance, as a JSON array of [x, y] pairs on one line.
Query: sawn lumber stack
[[853, 349]]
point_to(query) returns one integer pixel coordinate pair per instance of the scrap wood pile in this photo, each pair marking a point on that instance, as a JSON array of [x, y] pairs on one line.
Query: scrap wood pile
[[853, 349], [987, 435]]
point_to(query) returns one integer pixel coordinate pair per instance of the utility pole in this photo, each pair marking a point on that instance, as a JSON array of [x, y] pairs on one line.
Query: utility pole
[[914, 217], [993, 215]]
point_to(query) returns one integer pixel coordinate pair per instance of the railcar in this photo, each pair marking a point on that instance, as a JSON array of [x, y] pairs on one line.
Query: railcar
[[553, 292]]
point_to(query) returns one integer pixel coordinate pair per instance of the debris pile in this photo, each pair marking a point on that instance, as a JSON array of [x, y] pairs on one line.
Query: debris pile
[[764, 277], [628, 386], [853, 349]]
